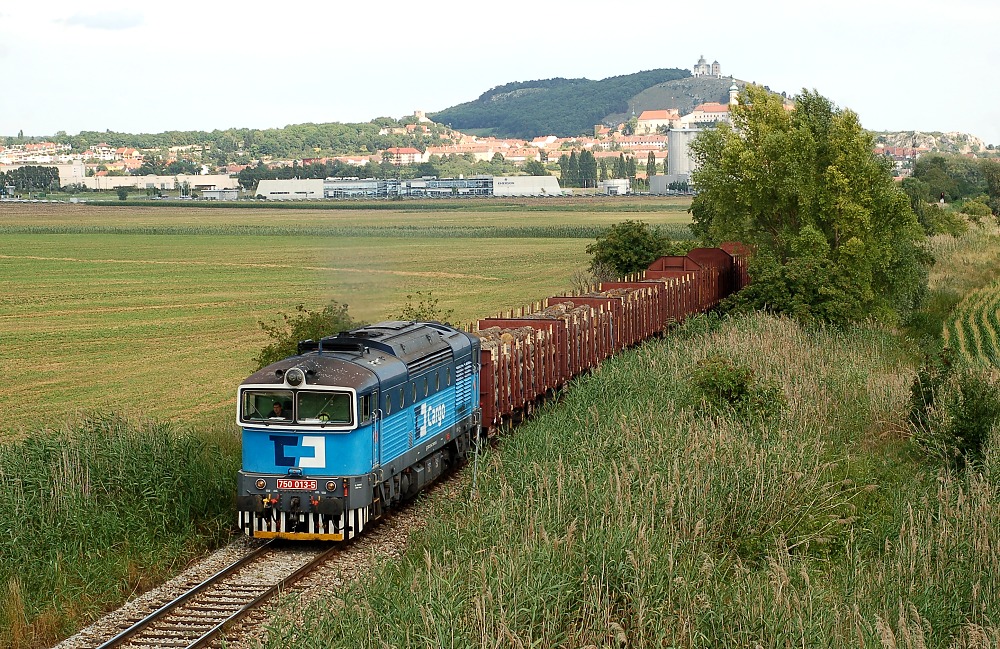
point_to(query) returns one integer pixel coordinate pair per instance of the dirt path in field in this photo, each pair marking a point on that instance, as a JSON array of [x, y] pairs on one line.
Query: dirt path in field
[[370, 271]]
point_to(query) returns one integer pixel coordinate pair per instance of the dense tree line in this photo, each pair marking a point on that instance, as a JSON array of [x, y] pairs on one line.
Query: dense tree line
[[563, 107], [296, 140], [583, 169], [954, 178], [30, 178]]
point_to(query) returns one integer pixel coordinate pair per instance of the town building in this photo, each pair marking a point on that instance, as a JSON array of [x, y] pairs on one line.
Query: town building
[[426, 187]]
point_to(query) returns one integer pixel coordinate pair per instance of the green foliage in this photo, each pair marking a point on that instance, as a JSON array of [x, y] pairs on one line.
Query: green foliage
[[942, 220], [836, 239], [975, 209], [728, 386], [629, 247], [991, 175], [99, 510], [953, 176], [122, 192], [563, 107], [423, 307], [30, 178], [588, 169], [954, 410], [303, 325], [534, 168], [292, 141]]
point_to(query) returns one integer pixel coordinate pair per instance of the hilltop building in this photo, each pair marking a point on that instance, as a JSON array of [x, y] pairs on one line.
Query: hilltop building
[[703, 69]]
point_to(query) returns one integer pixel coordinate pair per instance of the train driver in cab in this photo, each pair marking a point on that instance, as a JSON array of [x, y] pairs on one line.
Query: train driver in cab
[[278, 411]]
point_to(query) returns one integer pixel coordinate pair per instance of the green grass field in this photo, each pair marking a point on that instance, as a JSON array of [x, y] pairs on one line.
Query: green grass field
[[153, 310]]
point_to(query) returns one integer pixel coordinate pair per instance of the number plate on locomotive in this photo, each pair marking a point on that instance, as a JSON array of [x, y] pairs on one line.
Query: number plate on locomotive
[[287, 483]]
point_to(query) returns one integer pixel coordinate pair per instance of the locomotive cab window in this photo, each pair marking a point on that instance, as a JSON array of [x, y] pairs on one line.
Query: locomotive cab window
[[266, 405], [327, 407]]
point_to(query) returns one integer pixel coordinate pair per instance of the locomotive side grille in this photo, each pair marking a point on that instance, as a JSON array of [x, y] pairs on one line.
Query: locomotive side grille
[[395, 435], [463, 388], [437, 357]]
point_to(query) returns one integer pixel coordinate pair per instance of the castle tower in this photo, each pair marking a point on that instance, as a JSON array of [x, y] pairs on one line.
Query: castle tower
[[716, 70]]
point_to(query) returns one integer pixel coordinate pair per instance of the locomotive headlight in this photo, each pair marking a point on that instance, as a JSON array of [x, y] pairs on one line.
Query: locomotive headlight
[[260, 484], [295, 376], [331, 485]]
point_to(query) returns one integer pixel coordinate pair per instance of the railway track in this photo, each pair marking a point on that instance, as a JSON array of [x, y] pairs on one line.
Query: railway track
[[194, 616], [200, 616]]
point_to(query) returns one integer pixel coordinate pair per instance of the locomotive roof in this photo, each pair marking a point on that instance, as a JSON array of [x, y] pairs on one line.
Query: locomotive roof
[[389, 350], [339, 370]]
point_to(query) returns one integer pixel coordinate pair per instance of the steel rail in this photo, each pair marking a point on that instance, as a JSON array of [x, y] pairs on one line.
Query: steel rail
[[159, 613], [212, 634]]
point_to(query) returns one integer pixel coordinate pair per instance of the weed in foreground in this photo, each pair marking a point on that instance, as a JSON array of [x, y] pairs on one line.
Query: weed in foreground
[[99, 512]]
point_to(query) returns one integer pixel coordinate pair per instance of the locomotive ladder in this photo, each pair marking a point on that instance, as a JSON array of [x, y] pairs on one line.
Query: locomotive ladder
[[201, 615]]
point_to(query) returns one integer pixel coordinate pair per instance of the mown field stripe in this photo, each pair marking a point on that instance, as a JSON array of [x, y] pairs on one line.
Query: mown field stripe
[[222, 264]]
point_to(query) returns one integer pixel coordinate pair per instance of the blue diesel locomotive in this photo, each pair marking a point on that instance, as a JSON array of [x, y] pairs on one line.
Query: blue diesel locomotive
[[353, 425]]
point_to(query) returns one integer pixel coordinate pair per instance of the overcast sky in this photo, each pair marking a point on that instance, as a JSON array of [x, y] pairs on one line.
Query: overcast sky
[[154, 66]]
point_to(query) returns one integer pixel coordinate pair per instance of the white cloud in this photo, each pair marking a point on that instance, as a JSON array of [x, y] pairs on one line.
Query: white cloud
[[111, 20]]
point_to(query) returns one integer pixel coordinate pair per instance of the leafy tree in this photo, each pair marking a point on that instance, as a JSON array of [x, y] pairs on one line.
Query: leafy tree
[[620, 169], [122, 192], [604, 169], [835, 238], [574, 169], [303, 325], [534, 168], [991, 174], [628, 247], [650, 165], [588, 169], [564, 170]]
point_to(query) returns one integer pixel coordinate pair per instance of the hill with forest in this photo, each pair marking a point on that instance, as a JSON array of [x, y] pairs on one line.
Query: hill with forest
[[561, 107]]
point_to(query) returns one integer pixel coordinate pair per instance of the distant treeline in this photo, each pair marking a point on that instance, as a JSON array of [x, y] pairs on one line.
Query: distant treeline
[[293, 141], [562, 107]]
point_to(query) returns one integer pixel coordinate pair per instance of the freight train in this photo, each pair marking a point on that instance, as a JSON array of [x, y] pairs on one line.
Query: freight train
[[357, 423]]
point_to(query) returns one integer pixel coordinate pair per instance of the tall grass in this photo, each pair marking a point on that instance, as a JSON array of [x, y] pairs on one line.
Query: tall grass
[[629, 516], [101, 511]]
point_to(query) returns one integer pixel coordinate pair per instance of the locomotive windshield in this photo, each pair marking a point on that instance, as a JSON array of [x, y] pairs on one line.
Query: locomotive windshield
[[327, 407]]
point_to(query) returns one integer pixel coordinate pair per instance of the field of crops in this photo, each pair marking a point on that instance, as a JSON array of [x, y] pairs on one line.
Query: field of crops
[[972, 331], [154, 311], [973, 326]]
